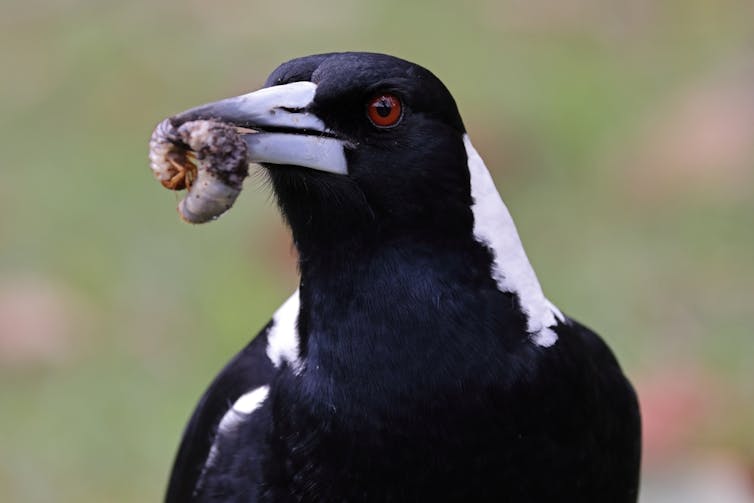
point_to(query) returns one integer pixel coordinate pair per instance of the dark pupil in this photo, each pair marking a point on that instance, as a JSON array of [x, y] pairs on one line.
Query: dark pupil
[[383, 107]]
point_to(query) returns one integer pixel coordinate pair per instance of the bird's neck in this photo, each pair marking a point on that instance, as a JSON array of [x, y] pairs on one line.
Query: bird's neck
[[367, 307], [494, 227]]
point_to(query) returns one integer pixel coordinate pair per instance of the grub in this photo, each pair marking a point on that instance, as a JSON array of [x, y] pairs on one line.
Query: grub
[[208, 159]]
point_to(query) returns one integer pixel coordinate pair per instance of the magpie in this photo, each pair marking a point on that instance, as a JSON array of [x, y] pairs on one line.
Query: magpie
[[418, 360]]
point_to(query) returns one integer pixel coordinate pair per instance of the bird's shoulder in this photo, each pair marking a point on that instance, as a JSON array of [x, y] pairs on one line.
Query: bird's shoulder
[[582, 343], [580, 376], [235, 390]]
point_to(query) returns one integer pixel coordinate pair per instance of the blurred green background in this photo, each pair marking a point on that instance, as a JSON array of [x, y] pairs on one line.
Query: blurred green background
[[620, 133]]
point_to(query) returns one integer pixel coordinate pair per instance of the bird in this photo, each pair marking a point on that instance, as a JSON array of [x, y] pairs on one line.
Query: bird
[[418, 359]]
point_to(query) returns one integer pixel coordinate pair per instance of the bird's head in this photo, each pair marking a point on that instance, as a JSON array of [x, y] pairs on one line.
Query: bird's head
[[357, 145], [365, 149]]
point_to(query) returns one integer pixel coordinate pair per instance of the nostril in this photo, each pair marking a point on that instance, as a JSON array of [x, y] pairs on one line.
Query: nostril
[[292, 110]]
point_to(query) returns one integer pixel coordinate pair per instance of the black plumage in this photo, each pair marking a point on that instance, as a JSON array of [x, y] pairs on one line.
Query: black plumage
[[418, 361]]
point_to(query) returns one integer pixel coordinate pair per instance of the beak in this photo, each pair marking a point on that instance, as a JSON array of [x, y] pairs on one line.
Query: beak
[[284, 130]]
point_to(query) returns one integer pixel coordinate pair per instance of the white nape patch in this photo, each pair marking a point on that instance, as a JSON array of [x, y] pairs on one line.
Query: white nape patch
[[511, 270], [282, 339]]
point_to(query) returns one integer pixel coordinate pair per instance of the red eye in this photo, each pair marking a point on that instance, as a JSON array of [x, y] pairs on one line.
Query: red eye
[[385, 110]]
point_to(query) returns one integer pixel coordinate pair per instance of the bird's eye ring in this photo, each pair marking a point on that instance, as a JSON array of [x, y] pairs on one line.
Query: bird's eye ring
[[385, 110]]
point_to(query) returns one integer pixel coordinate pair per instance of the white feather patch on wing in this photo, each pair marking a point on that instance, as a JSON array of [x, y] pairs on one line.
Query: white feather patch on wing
[[245, 405], [282, 339], [240, 411], [511, 270]]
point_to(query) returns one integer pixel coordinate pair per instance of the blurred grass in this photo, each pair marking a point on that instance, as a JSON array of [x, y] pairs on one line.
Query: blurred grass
[[556, 96]]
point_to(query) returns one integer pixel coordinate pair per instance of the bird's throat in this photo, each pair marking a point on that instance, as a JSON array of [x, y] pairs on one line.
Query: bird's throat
[[365, 311]]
